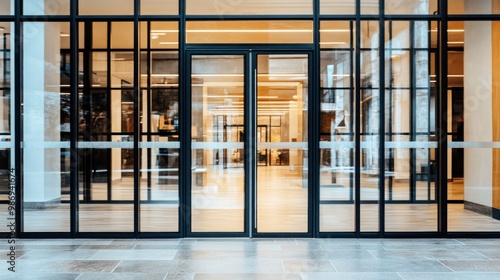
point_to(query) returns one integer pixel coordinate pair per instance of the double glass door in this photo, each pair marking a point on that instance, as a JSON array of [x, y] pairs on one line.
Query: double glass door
[[249, 144]]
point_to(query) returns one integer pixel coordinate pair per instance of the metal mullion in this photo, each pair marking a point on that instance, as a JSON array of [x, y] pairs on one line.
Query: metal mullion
[[442, 120], [87, 82], [148, 97], [18, 129], [391, 88], [357, 144], [108, 108], [413, 113], [352, 100], [314, 120], [74, 119], [381, 163], [250, 122], [137, 124], [184, 221]]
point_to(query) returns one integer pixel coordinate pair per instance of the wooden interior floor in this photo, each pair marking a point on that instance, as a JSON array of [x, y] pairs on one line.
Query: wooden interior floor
[[218, 206]]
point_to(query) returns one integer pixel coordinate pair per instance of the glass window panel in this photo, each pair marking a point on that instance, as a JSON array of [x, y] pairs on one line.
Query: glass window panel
[[99, 68], [217, 178], [163, 69], [249, 32], [473, 7], [159, 193], [336, 34], [163, 35], [46, 120], [7, 182], [159, 7], [397, 34], [6, 66], [122, 35], [397, 69], [46, 7], [6, 8], [99, 35], [249, 7], [370, 108], [410, 7], [108, 7], [283, 77], [81, 35], [347, 7], [122, 69], [369, 34], [473, 130], [369, 6]]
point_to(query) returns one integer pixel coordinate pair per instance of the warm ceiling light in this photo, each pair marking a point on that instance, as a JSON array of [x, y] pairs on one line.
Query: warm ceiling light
[[154, 36], [64, 35], [247, 30], [2, 28], [334, 30]]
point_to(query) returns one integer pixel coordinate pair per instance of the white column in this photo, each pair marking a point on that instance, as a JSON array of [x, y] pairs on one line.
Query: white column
[[42, 180], [477, 105]]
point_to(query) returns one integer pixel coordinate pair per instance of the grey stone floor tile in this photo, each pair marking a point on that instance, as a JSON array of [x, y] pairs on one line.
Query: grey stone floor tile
[[108, 247], [471, 241], [156, 255], [350, 255], [39, 276], [308, 266], [18, 254], [489, 253], [246, 276], [59, 255], [427, 254], [65, 266], [122, 276], [42, 247], [350, 276], [144, 267], [389, 266], [180, 276], [228, 266], [302, 246], [473, 265], [450, 276], [340, 246], [182, 247]]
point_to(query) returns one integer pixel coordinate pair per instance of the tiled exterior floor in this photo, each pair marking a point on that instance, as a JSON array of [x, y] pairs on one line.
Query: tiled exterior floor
[[146, 259]]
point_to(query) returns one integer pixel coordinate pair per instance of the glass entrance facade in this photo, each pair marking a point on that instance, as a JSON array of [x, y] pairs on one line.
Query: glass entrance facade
[[304, 118]]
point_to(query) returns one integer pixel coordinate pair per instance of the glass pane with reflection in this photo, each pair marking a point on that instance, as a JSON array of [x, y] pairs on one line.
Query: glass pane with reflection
[[217, 135]]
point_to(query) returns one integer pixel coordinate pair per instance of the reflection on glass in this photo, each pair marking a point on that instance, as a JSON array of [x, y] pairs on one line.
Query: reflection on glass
[[369, 6], [347, 7], [6, 162], [5, 7], [217, 178], [249, 7], [44, 7], [336, 143], [46, 114], [160, 35], [477, 7], [159, 187], [159, 7], [108, 7], [336, 34], [230, 32], [282, 170], [412, 7]]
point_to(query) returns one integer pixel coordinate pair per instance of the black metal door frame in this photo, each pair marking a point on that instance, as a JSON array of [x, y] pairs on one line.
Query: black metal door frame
[[250, 54]]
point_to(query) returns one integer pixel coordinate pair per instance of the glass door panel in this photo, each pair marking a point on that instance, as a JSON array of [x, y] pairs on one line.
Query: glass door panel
[[217, 148], [281, 136]]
